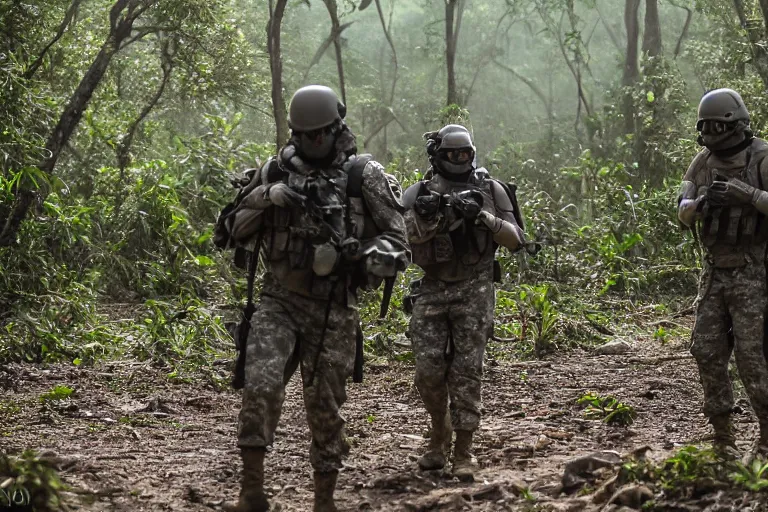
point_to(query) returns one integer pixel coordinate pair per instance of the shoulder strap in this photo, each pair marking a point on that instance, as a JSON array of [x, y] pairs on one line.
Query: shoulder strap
[[355, 175], [274, 173]]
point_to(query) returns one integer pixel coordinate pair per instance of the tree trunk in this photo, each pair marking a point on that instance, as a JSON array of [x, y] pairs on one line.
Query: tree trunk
[[453, 13], [123, 149], [631, 71], [764, 10], [274, 27], [652, 32], [756, 35], [121, 26], [336, 30]]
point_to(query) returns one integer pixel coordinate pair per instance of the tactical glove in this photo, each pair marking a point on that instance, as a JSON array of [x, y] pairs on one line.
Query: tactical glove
[[382, 260], [730, 193], [428, 205], [284, 196], [489, 220], [467, 204]]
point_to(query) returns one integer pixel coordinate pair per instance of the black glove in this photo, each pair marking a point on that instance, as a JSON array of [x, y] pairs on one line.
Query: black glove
[[428, 205], [467, 203], [730, 193]]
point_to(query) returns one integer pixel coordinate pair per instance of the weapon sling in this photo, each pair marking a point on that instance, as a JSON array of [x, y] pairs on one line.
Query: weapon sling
[[238, 380]]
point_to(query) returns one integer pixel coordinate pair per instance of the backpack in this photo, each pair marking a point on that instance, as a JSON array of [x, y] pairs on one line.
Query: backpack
[[511, 190]]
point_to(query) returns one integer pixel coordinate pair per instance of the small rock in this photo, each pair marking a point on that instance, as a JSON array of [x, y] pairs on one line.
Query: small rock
[[613, 348], [579, 470], [632, 496]]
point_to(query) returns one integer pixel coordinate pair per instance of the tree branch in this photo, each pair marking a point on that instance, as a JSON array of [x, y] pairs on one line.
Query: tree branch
[[29, 73], [686, 26]]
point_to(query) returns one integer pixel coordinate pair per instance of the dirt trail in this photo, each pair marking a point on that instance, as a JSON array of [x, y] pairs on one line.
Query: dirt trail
[[179, 452]]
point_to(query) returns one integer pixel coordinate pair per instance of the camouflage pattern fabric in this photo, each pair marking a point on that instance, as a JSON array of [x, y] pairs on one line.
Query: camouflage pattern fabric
[[732, 298], [286, 330], [450, 326]]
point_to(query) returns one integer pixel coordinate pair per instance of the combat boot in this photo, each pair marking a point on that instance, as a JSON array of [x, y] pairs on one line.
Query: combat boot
[[252, 496], [325, 484], [439, 445], [463, 468], [724, 442]]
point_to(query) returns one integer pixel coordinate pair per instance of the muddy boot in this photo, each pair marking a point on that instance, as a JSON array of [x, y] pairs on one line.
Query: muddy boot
[[252, 497], [439, 444], [724, 442], [463, 468], [325, 484]]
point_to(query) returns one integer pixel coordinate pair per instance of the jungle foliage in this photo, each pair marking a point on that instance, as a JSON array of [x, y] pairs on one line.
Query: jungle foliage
[[122, 121]]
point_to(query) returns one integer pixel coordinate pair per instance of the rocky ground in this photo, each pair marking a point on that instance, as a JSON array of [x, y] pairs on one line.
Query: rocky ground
[[129, 440]]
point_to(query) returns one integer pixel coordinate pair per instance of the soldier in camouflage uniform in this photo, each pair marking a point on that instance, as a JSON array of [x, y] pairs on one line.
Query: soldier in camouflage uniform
[[319, 246], [455, 221], [723, 197]]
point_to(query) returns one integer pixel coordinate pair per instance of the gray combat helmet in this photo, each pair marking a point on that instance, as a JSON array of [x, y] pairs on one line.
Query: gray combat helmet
[[454, 136], [724, 105], [313, 107], [446, 145]]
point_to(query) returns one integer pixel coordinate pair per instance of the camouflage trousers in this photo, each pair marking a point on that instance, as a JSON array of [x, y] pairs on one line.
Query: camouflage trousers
[[450, 326], [732, 299], [286, 332]]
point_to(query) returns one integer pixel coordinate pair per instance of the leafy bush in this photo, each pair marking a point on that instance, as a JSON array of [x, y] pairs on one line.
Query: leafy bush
[[607, 408]]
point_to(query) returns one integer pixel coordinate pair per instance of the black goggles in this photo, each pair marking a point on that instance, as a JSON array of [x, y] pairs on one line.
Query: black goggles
[[458, 156], [320, 132], [712, 127]]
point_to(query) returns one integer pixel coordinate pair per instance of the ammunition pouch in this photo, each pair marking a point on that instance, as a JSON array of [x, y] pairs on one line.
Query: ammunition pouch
[[410, 299]]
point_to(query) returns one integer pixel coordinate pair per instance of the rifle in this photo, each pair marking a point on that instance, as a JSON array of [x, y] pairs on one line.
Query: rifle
[[244, 327]]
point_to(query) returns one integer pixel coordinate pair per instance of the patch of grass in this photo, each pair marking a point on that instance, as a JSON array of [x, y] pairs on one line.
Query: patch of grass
[[9, 409], [753, 477], [607, 408], [688, 472], [60, 392], [32, 481]]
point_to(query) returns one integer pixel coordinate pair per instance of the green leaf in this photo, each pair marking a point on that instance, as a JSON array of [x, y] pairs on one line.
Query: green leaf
[[204, 261]]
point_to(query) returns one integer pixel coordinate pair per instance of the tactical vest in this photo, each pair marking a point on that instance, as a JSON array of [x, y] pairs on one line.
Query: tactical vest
[[738, 227], [290, 234], [458, 254]]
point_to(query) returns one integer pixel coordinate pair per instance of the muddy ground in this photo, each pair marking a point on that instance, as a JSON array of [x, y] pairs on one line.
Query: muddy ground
[[129, 440]]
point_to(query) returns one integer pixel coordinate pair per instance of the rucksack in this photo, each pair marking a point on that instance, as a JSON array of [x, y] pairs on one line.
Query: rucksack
[[511, 190]]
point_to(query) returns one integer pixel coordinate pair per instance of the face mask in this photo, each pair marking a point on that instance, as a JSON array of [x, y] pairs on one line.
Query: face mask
[[719, 136], [317, 144], [455, 169], [455, 162]]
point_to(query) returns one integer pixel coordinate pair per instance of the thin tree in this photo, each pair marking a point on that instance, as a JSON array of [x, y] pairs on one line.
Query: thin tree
[[274, 28], [336, 32], [631, 71], [454, 11], [122, 17], [652, 32]]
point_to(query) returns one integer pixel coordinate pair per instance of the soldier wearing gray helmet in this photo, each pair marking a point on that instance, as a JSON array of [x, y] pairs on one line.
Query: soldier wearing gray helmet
[[455, 219], [723, 197], [321, 237]]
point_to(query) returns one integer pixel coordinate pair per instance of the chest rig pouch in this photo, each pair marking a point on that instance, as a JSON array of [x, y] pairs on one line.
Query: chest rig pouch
[[465, 245], [731, 233]]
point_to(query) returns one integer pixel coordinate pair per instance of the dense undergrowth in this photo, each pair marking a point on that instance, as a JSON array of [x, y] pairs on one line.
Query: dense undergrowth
[[122, 264]]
